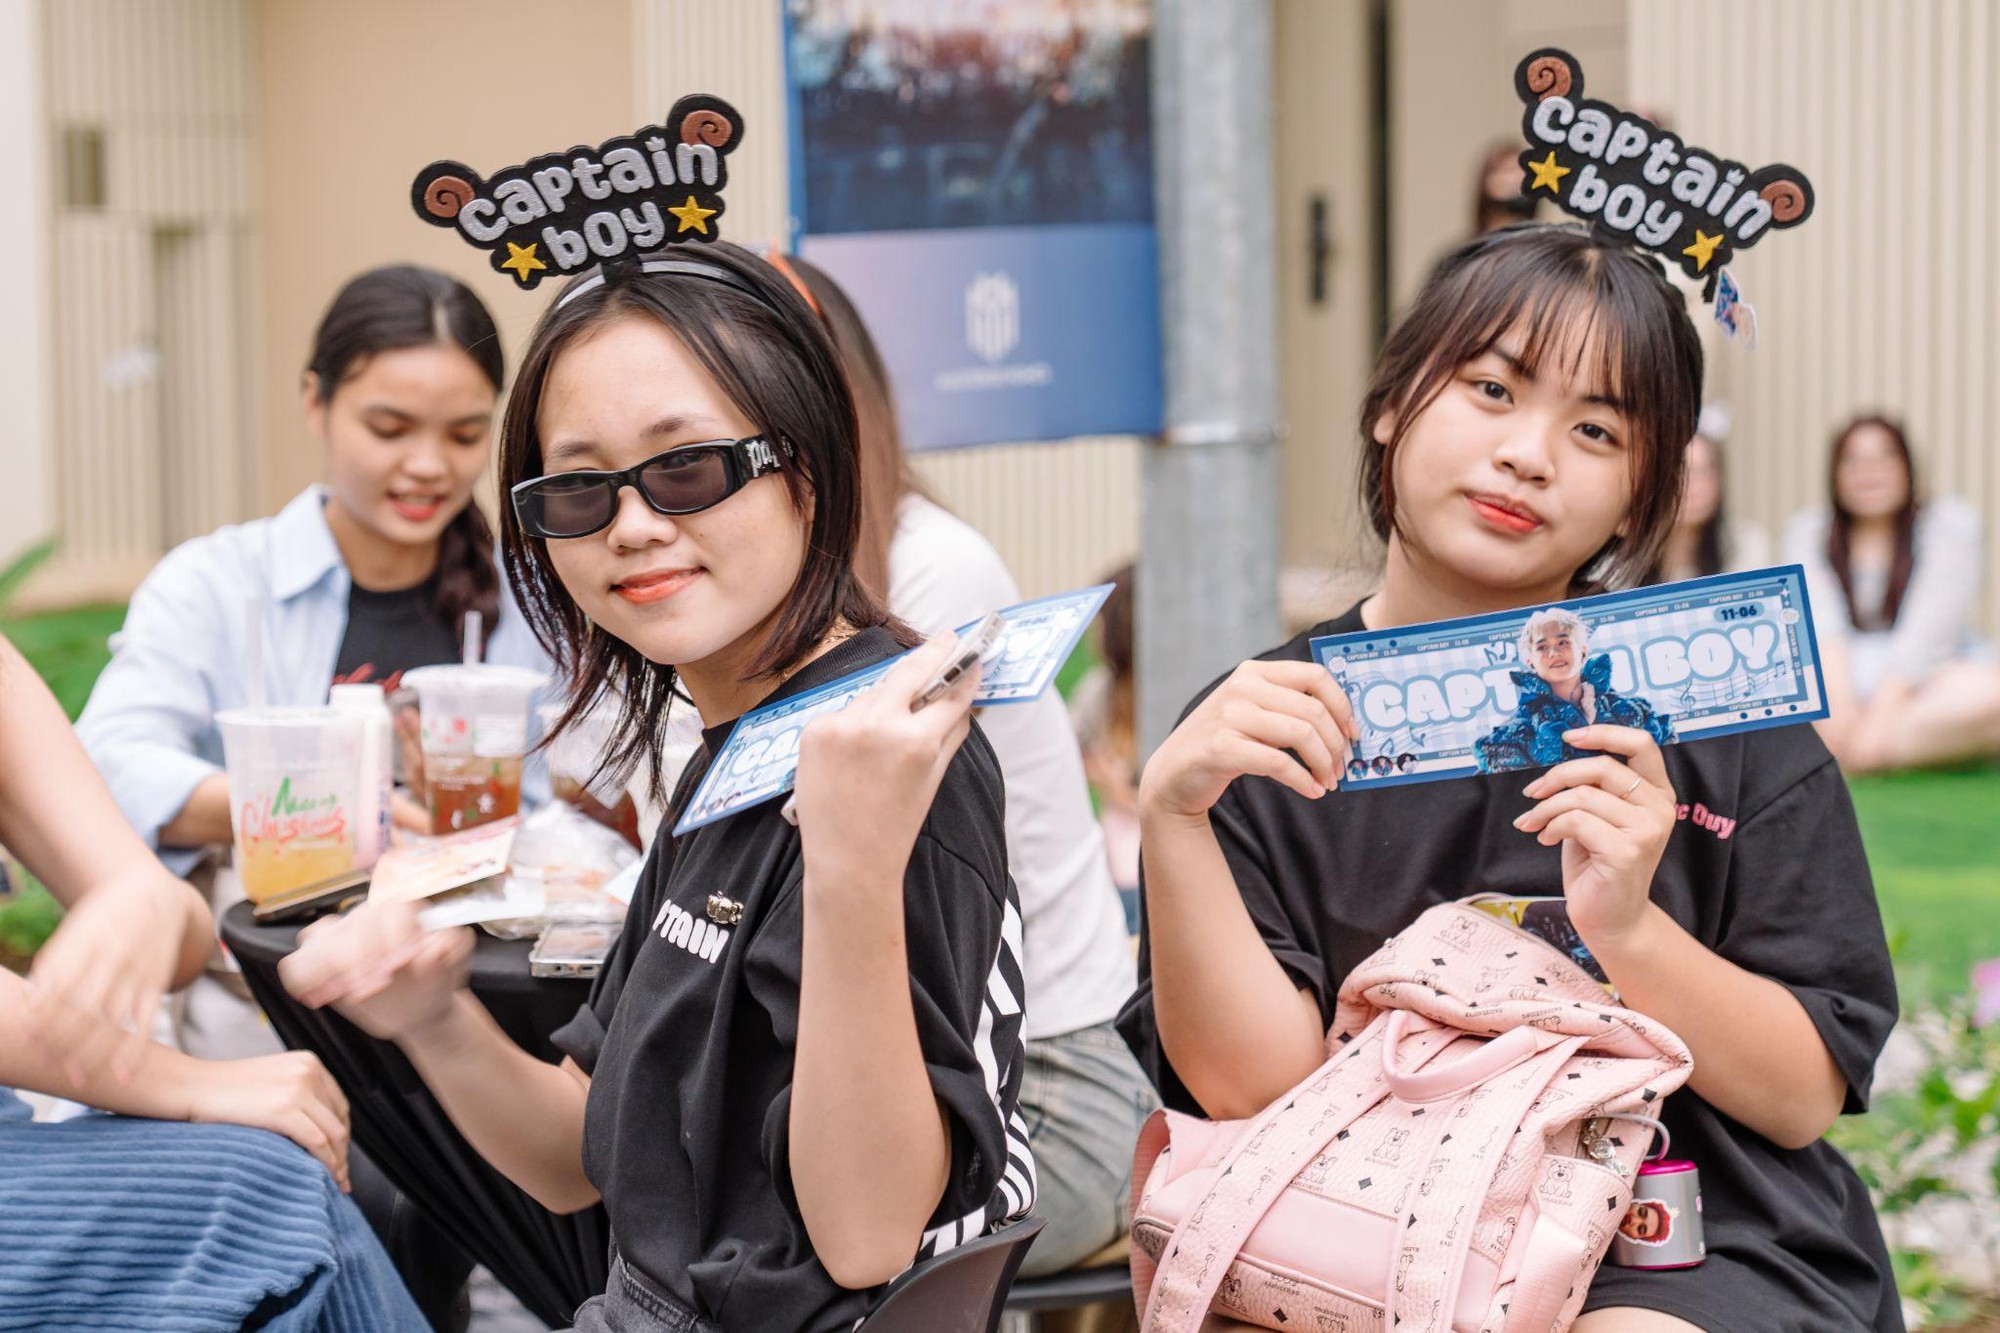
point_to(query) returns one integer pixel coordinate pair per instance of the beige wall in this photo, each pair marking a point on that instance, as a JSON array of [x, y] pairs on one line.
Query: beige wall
[[354, 98], [1451, 83], [1888, 297], [1324, 147], [27, 446]]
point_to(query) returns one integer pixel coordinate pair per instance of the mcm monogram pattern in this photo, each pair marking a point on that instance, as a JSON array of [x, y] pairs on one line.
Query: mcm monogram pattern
[[1450, 1185]]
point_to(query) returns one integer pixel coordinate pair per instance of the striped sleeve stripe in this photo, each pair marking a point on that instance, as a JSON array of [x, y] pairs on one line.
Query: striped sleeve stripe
[[997, 1044]]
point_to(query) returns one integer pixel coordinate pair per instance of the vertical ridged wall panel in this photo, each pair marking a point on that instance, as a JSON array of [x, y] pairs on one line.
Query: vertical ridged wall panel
[[152, 281], [1886, 298]]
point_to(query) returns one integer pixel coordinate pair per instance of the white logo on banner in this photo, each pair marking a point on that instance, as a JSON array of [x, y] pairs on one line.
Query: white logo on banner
[[992, 316]]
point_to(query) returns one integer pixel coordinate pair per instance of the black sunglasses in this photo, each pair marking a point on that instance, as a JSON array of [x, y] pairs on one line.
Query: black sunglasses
[[685, 480]]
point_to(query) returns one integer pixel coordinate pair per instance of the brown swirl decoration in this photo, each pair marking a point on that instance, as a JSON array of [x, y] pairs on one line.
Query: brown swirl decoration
[[1787, 200], [444, 196], [709, 127], [1550, 76]]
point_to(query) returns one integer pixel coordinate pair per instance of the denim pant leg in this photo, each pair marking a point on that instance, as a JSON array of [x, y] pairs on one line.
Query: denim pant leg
[[1084, 1098], [631, 1304]]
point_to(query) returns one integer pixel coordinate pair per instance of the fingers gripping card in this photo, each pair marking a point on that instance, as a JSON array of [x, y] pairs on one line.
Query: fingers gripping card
[[760, 759], [561, 213], [1620, 171]]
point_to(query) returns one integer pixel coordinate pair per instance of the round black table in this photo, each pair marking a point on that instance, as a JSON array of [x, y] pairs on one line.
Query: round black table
[[553, 1262]]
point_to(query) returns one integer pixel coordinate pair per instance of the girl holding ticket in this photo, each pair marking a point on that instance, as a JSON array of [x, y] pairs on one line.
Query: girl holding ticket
[[1524, 437], [799, 1069]]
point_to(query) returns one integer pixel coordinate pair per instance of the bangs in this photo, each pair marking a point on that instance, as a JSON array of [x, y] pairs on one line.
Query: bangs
[[1586, 320], [1564, 305]]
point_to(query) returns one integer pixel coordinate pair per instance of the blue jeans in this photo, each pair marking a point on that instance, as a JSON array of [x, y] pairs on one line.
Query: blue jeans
[[1084, 1098]]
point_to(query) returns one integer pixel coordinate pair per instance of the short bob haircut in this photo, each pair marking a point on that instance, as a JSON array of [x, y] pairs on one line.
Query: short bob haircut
[[1564, 291], [772, 357]]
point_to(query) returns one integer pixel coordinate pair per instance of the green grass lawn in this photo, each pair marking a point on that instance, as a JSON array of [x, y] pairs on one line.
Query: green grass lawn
[[1934, 844]]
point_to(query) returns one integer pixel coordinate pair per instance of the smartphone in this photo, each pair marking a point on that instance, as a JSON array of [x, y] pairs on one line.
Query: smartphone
[[572, 949], [975, 644]]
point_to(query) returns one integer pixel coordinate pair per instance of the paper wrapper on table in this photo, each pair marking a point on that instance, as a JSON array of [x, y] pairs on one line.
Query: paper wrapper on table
[[427, 867], [562, 860]]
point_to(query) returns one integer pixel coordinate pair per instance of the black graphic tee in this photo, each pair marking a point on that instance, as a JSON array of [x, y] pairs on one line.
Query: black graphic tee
[[388, 633], [1766, 869], [690, 1032]]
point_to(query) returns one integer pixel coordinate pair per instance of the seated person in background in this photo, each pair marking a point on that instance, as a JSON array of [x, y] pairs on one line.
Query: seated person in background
[[364, 577], [1894, 580], [1105, 713], [1705, 538], [1083, 1096], [115, 1222], [1564, 688]]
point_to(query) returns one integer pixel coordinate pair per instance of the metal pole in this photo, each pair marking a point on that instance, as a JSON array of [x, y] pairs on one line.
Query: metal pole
[[1208, 568]]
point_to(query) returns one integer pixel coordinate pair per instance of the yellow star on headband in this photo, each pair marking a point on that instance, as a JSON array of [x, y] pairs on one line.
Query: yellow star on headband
[[521, 258], [692, 214], [1547, 173], [1703, 248]]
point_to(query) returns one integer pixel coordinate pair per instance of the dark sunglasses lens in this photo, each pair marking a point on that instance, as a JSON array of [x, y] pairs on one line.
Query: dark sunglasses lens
[[570, 507], [687, 480]]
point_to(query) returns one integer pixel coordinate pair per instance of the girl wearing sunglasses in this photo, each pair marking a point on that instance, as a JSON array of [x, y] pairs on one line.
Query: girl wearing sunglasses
[[799, 1069]]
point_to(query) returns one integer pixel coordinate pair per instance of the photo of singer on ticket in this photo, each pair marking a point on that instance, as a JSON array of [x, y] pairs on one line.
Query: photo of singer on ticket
[[1494, 693]]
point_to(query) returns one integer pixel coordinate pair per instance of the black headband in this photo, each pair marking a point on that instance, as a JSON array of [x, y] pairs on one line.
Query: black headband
[[686, 268]]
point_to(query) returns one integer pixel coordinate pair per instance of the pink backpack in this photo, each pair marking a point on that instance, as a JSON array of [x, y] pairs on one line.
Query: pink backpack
[[1460, 1162]]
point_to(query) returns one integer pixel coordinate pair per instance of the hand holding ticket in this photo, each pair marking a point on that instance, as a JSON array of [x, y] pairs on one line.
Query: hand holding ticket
[[1492, 693], [971, 647], [760, 758]]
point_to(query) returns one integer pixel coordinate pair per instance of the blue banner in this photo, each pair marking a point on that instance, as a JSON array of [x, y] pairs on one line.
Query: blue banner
[[978, 176]]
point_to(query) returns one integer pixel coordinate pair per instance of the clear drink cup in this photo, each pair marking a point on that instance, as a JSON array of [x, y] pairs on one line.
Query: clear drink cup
[[573, 760], [294, 792], [474, 721]]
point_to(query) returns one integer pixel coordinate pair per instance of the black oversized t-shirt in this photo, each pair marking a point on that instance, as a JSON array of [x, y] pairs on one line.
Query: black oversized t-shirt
[[690, 1032], [1765, 868], [389, 633]]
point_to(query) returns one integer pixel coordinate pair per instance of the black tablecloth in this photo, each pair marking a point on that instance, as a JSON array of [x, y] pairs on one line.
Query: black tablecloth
[[550, 1261]]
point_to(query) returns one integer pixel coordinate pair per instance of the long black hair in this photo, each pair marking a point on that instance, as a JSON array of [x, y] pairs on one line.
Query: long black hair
[[402, 305], [772, 357], [1551, 280], [1840, 533]]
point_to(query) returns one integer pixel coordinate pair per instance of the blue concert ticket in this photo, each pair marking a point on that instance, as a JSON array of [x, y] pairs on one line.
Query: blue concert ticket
[[1486, 694], [761, 756]]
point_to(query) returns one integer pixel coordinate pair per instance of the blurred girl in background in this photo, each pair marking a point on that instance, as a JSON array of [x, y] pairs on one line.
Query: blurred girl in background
[[1895, 582]]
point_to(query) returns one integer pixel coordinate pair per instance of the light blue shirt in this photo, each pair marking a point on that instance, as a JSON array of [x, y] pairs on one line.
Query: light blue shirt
[[181, 657]]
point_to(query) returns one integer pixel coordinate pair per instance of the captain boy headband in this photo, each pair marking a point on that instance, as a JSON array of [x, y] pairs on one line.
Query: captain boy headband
[[1625, 175], [561, 213]]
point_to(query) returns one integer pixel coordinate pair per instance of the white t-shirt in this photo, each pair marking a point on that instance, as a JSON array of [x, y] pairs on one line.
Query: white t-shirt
[[1076, 956]]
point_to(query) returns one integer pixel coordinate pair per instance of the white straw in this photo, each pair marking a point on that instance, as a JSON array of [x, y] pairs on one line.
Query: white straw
[[469, 647], [253, 652]]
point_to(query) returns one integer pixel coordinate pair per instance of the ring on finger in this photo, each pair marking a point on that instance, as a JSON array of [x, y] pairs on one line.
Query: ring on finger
[[1636, 780]]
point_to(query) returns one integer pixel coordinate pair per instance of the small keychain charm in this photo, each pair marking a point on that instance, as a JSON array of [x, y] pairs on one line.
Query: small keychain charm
[[1662, 1228], [724, 910]]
